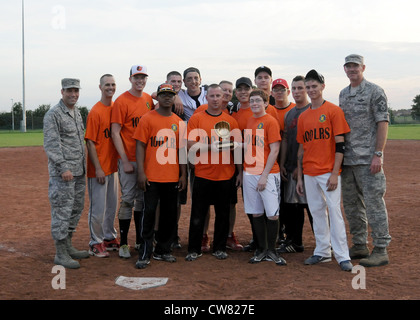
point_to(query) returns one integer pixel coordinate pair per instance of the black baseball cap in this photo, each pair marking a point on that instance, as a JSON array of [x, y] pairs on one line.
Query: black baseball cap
[[261, 69], [315, 75], [244, 80]]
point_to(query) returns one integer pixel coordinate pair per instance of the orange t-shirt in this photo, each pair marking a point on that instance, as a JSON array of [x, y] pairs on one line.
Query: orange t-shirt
[[127, 112], [212, 166], [204, 107], [259, 134], [161, 135], [271, 110], [316, 131], [281, 113], [243, 115], [98, 130]]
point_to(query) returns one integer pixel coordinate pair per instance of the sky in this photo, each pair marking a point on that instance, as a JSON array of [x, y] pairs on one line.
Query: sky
[[224, 39]]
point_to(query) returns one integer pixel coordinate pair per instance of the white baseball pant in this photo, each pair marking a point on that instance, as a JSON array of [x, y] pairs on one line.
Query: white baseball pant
[[329, 225]]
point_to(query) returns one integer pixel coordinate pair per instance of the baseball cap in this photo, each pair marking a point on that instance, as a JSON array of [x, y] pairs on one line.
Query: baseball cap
[[354, 58], [68, 83], [165, 87], [263, 68], [138, 69], [191, 69], [315, 75], [244, 80], [281, 82]]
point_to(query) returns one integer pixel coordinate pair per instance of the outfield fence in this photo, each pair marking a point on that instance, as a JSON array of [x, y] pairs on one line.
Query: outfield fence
[[32, 123]]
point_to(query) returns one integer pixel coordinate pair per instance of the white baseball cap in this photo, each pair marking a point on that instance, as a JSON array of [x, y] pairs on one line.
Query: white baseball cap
[[138, 69]]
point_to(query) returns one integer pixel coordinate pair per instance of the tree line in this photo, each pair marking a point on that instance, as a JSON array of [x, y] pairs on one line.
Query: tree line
[[34, 118]]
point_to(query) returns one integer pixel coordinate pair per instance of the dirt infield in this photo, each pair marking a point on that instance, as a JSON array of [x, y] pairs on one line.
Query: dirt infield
[[27, 251]]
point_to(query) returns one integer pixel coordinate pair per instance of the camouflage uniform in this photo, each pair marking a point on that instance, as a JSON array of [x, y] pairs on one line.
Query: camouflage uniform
[[65, 149], [363, 193]]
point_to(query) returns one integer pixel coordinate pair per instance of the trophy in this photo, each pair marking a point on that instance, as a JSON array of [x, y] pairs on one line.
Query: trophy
[[222, 129]]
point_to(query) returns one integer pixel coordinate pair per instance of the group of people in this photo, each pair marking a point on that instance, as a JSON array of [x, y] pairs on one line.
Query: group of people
[[285, 157]]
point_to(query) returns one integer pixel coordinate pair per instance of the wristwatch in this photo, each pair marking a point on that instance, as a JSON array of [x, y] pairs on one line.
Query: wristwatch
[[378, 153]]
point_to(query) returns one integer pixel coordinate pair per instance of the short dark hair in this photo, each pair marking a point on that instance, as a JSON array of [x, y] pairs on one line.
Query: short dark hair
[[191, 69], [259, 92], [213, 86], [173, 73], [104, 76], [298, 78]]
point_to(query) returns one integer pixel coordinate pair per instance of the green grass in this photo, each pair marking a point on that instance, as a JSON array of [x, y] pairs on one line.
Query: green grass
[[21, 139], [404, 132], [35, 137]]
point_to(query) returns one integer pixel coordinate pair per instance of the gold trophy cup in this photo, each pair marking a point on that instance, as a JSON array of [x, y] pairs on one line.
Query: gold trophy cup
[[222, 129]]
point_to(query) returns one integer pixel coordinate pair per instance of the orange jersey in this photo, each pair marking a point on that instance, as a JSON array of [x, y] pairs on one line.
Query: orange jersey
[[204, 107], [281, 113], [316, 131], [161, 135], [98, 130], [127, 112], [259, 134], [210, 165], [271, 110], [243, 115]]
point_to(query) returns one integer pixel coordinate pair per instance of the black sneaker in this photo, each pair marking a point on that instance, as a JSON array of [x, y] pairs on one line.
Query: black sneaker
[[176, 244], [164, 257], [289, 248], [273, 256], [258, 257], [141, 264], [193, 256], [221, 255], [251, 246]]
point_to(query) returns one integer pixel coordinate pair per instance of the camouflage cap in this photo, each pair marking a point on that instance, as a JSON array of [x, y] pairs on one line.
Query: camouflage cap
[[354, 58], [68, 83]]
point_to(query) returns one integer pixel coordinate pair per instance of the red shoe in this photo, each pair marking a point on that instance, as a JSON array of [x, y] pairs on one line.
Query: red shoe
[[232, 243], [205, 243], [112, 245], [98, 250]]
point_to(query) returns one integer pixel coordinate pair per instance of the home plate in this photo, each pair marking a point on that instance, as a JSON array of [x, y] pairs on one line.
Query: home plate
[[140, 283]]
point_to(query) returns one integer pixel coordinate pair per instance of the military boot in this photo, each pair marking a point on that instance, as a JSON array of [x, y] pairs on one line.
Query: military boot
[[359, 251], [378, 257], [62, 257], [73, 252]]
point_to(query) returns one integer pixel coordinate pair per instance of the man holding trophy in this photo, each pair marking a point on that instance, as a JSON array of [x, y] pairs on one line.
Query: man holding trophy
[[214, 143]]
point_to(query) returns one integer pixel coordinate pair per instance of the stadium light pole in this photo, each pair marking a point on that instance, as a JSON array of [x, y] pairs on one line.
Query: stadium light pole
[[23, 124]]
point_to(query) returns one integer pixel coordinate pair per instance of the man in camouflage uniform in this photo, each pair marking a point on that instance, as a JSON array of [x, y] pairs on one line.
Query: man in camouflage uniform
[[65, 149], [365, 106]]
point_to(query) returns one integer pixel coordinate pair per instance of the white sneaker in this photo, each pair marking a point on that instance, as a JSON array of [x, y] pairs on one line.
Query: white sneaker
[[124, 251]]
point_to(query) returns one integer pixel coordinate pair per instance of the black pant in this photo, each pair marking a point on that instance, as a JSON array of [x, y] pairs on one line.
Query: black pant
[[294, 219], [206, 193], [167, 194]]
